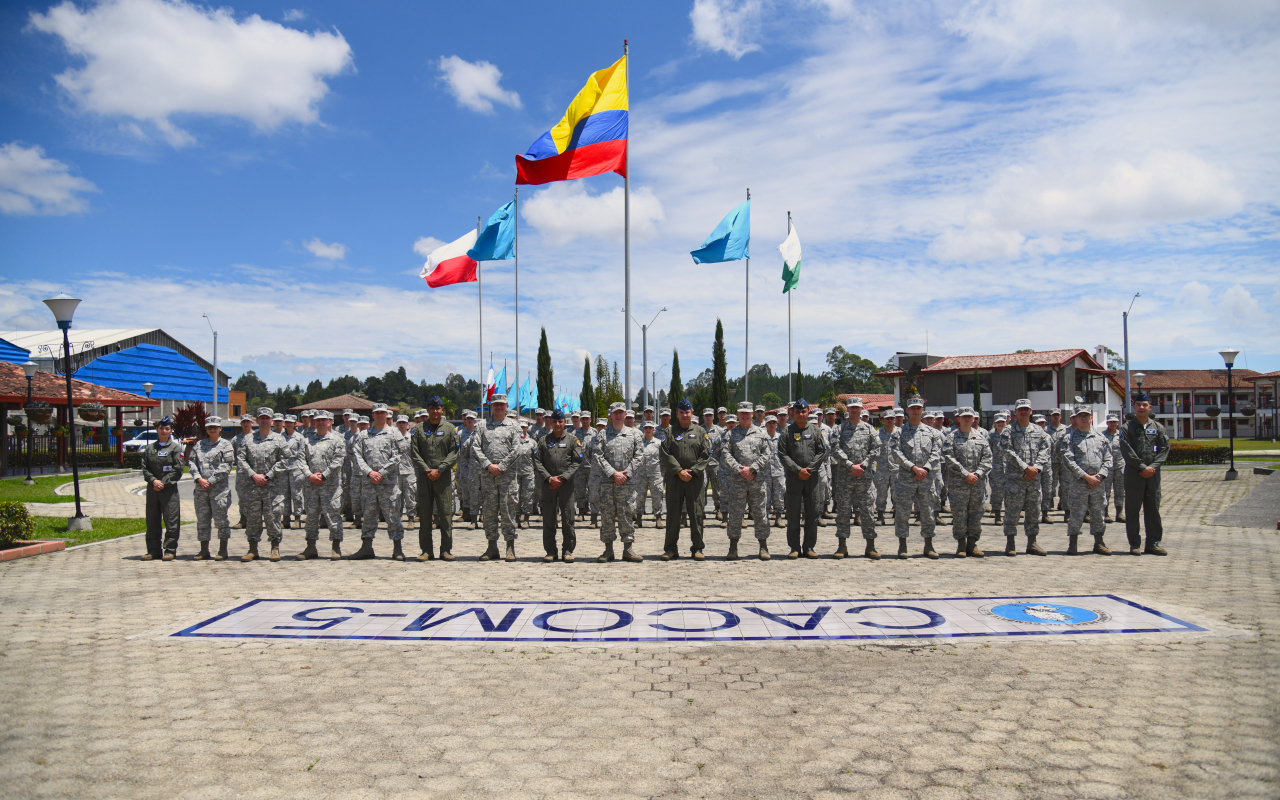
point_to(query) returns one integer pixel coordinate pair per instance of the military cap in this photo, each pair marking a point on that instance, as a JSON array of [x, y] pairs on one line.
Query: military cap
[[684, 404], [379, 407], [928, 415], [618, 406], [770, 418], [746, 405], [602, 421], [898, 412], [1113, 418], [323, 415], [277, 417], [722, 408], [1057, 411], [348, 412], [731, 421], [648, 409], [829, 411], [649, 424], [1023, 403], [306, 412], [865, 415], [631, 414], [263, 412], [915, 401], [468, 414], [290, 418], [524, 423], [965, 411], [557, 415], [1081, 410], [246, 418], [761, 408], [213, 422], [365, 420], [498, 398], [800, 404], [402, 418], [853, 401], [666, 411], [1142, 397], [707, 411], [1039, 418]]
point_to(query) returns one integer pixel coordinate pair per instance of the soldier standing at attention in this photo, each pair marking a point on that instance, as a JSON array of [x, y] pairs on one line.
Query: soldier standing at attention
[[1025, 446], [918, 457], [619, 451], [650, 476], [777, 477], [686, 453], [323, 458], [556, 463], [263, 458], [1144, 447], [582, 432], [242, 477], [802, 452], [434, 449], [855, 449], [350, 490], [747, 453], [468, 470], [884, 464], [1114, 484], [377, 472], [162, 468], [1086, 463], [408, 478], [713, 432], [294, 475], [1057, 432], [966, 460], [495, 446], [996, 478], [211, 461], [524, 468]]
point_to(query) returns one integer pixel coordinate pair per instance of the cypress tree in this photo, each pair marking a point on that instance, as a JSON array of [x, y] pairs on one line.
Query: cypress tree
[[546, 376], [587, 397], [676, 391], [799, 380], [719, 366]]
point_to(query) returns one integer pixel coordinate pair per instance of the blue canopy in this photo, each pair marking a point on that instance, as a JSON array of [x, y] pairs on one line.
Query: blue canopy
[[13, 354], [175, 376]]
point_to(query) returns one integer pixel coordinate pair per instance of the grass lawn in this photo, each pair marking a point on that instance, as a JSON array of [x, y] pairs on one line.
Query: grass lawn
[[1254, 444], [103, 528], [42, 492]]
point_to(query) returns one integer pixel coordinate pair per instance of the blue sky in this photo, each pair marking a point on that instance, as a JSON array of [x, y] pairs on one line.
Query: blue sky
[[992, 175]]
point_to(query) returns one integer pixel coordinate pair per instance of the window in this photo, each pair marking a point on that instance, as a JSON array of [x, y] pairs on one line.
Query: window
[[1040, 380], [236, 411], [964, 382], [1206, 425], [1084, 381]]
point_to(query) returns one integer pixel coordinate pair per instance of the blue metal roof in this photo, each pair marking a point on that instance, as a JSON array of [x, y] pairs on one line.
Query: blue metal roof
[[13, 354], [175, 376]]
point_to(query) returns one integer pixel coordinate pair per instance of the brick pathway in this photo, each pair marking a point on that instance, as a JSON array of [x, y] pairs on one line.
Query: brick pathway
[[98, 706]]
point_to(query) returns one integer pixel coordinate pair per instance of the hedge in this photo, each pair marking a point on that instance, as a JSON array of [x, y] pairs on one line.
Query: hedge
[[1180, 453], [15, 523]]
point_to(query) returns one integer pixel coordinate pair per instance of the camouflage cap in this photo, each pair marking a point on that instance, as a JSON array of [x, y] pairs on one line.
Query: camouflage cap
[[853, 401], [246, 419], [631, 414], [618, 406], [213, 422], [647, 409], [290, 418], [965, 411], [866, 415], [665, 411], [747, 406], [1057, 411], [1023, 403], [498, 398], [422, 412], [897, 412], [707, 411], [649, 424], [324, 415], [770, 418], [829, 411], [760, 408], [729, 422], [402, 418], [602, 421], [277, 417], [265, 412], [915, 401], [722, 408], [524, 423], [927, 415], [468, 414], [306, 412], [348, 412], [539, 412], [364, 420], [1081, 410], [1113, 417], [1039, 418], [379, 407]]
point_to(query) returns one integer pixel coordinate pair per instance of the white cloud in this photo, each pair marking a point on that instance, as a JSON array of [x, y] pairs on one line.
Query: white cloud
[[333, 252], [565, 211], [294, 15], [151, 60], [475, 85], [425, 245], [31, 183], [726, 26]]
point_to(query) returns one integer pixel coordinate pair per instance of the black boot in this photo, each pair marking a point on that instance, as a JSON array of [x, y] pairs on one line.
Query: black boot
[[365, 552], [397, 552], [492, 553]]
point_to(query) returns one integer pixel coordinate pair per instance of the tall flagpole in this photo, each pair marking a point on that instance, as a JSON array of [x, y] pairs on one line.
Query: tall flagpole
[[790, 372], [480, 317], [517, 255], [746, 346], [626, 238]]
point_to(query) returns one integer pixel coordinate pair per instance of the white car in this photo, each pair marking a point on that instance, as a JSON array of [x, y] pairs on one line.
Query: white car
[[139, 443]]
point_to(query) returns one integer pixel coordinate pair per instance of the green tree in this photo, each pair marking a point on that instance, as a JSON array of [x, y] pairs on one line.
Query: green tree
[[677, 389], [850, 372], [1114, 360], [587, 397], [251, 385], [719, 368], [770, 401], [546, 376], [602, 387], [799, 380]]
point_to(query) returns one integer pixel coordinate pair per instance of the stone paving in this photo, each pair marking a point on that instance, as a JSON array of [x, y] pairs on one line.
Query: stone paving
[[100, 704]]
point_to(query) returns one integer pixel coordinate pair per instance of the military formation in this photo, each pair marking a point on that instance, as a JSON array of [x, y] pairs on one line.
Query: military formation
[[793, 468]]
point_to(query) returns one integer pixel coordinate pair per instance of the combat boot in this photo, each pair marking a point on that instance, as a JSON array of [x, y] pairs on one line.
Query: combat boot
[[409, 523], [629, 553], [929, 552], [842, 550], [252, 554], [222, 551], [548, 559], [879, 517], [902, 548], [1154, 550], [961, 550], [347, 517], [1044, 518], [698, 556], [492, 553], [425, 556], [595, 520], [168, 557], [286, 525], [1073, 547], [793, 554], [446, 556], [1108, 518], [397, 551], [275, 551], [998, 520], [1034, 549], [1011, 546], [324, 523], [1120, 516], [203, 555], [567, 558], [364, 553], [335, 550], [309, 551], [732, 555], [1099, 546], [607, 555], [519, 520], [511, 551], [670, 556], [764, 551]]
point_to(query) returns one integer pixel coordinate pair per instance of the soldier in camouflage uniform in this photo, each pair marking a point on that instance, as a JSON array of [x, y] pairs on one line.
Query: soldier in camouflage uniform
[[264, 458], [966, 462], [619, 452], [377, 473], [746, 454], [884, 464], [323, 459], [995, 480], [582, 432], [918, 457], [649, 477], [1026, 456], [722, 469], [776, 476], [1114, 484], [468, 470], [524, 470], [855, 449], [210, 462], [408, 478], [1087, 463], [1049, 480], [242, 478], [714, 433], [351, 489], [1057, 433], [495, 446], [294, 476]]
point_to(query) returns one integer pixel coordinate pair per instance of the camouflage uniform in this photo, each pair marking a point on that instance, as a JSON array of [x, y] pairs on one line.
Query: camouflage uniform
[[712, 487], [468, 474], [777, 478], [524, 472], [242, 478], [618, 451], [593, 471], [408, 479], [917, 446], [1050, 485], [854, 443], [747, 447], [1086, 453], [379, 451], [350, 482], [996, 478], [497, 443], [884, 468], [939, 478], [1114, 484], [1022, 448], [294, 477], [824, 475], [650, 478], [326, 455], [962, 454], [213, 462], [267, 456], [583, 475]]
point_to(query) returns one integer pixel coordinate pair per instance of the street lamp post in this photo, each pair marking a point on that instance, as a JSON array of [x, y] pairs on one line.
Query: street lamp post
[[64, 308], [147, 387], [644, 338], [29, 369], [1229, 357], [214, 412]]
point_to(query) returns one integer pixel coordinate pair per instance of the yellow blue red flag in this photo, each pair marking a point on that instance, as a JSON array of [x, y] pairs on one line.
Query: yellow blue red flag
[[591, 137]]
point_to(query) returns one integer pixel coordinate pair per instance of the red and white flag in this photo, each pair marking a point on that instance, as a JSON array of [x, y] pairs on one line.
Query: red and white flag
[[450, 263]]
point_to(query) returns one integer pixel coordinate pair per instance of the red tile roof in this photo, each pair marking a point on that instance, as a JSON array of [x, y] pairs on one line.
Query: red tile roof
[[1166, 379], [339, 403], [1265, 376], [1040, 358], [870, 402], [52, 389]]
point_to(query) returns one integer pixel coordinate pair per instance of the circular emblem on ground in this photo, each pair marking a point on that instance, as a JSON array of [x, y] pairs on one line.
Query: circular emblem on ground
[[1045, 613]]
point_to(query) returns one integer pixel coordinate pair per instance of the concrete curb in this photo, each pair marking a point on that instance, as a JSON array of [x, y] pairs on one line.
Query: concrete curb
[[32, 548]]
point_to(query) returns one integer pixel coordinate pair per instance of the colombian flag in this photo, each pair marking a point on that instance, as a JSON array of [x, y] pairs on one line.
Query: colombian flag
[[591, 137]]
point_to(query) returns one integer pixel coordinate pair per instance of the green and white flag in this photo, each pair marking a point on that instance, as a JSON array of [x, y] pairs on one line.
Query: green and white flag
[[790, 250]]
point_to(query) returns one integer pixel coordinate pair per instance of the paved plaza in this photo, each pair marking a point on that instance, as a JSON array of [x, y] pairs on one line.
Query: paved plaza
[[102, 700]]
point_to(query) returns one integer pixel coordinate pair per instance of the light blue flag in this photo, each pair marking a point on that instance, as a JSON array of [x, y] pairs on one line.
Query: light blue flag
[[730, 240], [497, 241]]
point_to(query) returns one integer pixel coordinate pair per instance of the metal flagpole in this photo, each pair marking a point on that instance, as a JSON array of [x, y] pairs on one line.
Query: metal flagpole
[[746, 345], [480, 318], [626, 241], [517, 256], [790, 371]]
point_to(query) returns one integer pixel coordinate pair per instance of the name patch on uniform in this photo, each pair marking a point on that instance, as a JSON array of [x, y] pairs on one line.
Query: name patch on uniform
[[166, 469], [443, 621], [439, 433]]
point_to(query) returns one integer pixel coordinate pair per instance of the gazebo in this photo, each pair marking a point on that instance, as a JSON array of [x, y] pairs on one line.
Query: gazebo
[[338, 404]]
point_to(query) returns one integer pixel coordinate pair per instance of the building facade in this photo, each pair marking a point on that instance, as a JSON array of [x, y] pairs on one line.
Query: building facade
[[1181, 400]]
